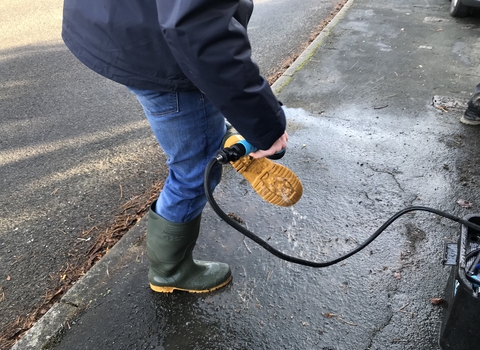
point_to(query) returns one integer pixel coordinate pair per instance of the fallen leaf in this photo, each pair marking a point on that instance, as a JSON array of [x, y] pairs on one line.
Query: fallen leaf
[[464, 203], [437, 301]]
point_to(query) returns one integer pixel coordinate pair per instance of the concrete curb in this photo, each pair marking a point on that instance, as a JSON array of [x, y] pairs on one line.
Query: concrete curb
[[285, 78], [85, 290], [79, 297]]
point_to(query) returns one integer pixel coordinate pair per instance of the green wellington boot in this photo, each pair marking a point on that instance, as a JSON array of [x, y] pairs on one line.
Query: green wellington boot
[[169, 249]]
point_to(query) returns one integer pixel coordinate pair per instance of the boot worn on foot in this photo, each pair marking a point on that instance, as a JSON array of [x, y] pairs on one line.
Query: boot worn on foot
[[472, 114], [273, 182], [169, 250]]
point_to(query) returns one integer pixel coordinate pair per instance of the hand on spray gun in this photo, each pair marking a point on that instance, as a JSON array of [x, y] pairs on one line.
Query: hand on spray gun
[[277, 150], [273, 182]]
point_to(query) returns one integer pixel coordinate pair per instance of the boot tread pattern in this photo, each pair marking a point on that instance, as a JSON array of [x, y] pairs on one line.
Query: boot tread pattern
[[273, 182]]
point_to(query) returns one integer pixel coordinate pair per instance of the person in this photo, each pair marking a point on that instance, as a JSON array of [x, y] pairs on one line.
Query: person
[[189, 64], [471, 115]]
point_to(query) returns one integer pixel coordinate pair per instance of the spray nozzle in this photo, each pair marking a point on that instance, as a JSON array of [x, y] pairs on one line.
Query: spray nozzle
[[231, 154]]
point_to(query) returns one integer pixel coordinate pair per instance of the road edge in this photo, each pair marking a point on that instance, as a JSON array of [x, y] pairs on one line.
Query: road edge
[[297, 65], [84, 292]]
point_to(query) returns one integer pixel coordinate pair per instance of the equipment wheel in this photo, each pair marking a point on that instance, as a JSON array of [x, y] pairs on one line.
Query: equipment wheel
[[457, 9]]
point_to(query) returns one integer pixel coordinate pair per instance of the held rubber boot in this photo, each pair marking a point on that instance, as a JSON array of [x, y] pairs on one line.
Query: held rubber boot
[[273, 182], [169, 250]]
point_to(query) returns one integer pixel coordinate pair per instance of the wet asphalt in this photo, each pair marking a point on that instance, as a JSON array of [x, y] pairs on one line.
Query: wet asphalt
[[366, 141]]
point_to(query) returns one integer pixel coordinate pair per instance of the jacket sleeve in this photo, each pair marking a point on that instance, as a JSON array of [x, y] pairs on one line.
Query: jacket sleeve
[[208, 38]]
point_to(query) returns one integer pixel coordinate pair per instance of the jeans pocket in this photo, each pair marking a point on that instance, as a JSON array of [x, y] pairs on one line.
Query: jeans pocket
[[157, 103], [165, 103]]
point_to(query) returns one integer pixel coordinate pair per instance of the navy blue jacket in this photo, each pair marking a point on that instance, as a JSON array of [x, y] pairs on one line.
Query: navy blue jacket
[[179, 45]]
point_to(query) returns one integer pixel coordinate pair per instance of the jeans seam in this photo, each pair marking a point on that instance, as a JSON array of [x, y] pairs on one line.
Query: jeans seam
[[204, 133]]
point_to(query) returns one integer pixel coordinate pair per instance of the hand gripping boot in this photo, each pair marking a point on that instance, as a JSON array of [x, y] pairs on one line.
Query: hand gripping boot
[[273, 182], [169, 250]]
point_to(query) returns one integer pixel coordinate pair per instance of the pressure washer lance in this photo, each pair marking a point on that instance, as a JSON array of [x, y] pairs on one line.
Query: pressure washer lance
[[243, 148]]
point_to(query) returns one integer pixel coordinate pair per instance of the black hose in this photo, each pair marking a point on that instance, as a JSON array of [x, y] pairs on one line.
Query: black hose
[[283, 256]]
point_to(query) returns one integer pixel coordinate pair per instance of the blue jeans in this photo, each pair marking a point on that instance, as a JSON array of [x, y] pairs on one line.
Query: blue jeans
[[190, 130]]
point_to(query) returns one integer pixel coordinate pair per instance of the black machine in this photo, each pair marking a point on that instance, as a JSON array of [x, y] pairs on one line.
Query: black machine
[[460, 324]]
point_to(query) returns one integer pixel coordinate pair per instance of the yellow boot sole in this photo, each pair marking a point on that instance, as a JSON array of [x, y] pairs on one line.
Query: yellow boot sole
[[273, 182], [169, 289]]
